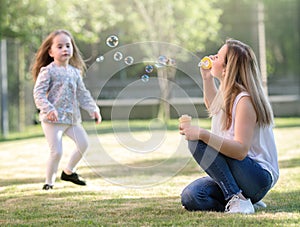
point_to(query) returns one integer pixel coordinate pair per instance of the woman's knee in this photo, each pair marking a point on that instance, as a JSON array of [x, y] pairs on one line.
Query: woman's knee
[[188, 200], [193, 195]]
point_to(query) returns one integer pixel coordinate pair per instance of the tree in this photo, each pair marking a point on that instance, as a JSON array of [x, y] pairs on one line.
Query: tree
[[26, 23], [283, 35], [187, 23]]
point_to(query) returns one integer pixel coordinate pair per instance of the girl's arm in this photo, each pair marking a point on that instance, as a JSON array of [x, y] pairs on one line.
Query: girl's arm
[[238, 147], [86, 101], [40, 90]]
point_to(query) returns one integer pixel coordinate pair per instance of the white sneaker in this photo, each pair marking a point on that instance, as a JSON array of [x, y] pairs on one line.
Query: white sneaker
[[237, 205], [260, 204]]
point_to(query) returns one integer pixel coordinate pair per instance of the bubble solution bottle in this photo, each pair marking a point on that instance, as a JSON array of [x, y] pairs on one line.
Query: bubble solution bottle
[[205, 63]]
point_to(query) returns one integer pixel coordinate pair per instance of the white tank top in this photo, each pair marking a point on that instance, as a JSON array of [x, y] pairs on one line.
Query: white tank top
[[263, 149]]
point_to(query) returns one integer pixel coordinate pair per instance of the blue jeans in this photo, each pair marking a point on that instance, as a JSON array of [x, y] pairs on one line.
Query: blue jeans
[[226, 177]]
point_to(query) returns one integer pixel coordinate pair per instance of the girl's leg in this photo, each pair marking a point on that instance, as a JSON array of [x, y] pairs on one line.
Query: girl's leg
[[203, 194], [79, 136], [53, 134]]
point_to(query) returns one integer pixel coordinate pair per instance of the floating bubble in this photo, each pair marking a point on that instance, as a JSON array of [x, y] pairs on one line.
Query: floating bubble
[[149, 68], [129, 60], [138, 149], [100, 59], [145, 78], [112, 41], [118, 56], [163, 60], [172, 62]]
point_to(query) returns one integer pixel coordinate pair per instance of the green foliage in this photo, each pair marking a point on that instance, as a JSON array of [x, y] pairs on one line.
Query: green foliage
[[283, 36], [32, 20], [195, 25], [187, 23], [281, 21], [190, 24], [23, 20]]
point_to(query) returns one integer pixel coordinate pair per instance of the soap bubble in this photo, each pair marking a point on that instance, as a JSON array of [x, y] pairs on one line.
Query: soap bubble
[[129, 60], [163, 60], [118, 56], [100, 59], [172, 62], [149, 68], [145, 78], [112, 41], [132, 168]]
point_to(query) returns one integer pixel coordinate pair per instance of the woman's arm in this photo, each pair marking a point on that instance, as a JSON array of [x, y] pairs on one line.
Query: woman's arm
[[245, 122], [209, 87]]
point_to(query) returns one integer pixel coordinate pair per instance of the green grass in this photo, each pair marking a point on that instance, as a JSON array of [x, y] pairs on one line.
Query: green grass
[[101, 203], [34, 131]]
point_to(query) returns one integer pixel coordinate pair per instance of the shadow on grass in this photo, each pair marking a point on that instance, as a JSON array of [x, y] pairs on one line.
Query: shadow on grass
[[155, 167], [186, 168], [276, 202], [283, 201], [18, 181], [287, 122], [288, 125], [21, 137], [94, 208], [290, 163]]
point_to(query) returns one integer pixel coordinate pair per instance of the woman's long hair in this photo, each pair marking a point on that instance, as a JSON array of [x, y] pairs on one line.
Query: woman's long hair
[[42, 57], [242, 74]]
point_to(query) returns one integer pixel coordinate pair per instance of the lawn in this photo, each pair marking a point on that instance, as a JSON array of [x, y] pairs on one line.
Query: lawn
[[109, 200]]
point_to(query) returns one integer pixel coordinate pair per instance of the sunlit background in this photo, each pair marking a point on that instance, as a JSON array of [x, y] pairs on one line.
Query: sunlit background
[[270, 27]]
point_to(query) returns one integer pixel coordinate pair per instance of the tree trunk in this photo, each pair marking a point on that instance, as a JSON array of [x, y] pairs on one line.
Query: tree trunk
[[166, 75]]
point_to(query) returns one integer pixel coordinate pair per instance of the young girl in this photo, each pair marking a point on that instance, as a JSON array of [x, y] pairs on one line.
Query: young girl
[[239, 154], [58, 93]]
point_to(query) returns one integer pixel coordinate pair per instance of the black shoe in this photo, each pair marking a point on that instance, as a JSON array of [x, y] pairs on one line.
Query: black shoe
[[74, 178], [47, 187]]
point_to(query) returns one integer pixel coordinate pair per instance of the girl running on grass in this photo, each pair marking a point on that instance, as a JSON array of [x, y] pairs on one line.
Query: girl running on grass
[[58, 93]]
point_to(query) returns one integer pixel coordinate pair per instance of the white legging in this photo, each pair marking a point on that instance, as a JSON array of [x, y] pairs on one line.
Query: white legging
[[54, 134]]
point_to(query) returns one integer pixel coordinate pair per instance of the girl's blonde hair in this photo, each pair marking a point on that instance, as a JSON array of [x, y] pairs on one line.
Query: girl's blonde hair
[[42, 57], [242, 74]]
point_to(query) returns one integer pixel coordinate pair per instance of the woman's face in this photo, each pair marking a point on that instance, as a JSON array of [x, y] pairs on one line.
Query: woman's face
[[218, 66]]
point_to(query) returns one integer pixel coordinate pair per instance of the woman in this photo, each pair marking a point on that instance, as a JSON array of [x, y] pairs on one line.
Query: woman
[[239, 154]]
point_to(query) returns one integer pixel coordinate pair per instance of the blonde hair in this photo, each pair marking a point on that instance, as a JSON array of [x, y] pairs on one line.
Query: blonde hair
[[242, 74], [42, 57]]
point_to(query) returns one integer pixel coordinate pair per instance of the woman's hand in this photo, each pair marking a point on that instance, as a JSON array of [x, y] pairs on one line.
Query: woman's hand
[[205, 73], [191, 133]]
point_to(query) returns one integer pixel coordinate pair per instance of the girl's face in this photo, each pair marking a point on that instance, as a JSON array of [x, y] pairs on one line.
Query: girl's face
[[218, 66], [61, 49]]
